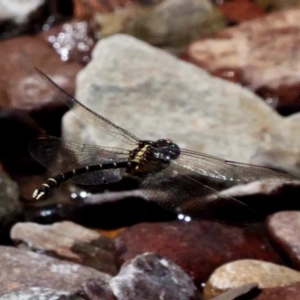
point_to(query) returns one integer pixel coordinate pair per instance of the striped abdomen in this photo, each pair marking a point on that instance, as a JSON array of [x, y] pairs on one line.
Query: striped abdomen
[[55, 181]]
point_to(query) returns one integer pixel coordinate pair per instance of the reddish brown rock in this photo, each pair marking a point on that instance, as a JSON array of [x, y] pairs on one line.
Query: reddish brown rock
[[21, 87], [262, 54], [195, 246], [240, 10], [28, 108], [284, 227]]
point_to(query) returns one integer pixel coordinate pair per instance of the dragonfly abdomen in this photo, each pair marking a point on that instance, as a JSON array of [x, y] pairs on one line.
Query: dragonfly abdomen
[[58, 179]]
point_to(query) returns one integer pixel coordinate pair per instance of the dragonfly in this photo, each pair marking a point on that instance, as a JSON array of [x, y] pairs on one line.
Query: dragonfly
[[183, 181]]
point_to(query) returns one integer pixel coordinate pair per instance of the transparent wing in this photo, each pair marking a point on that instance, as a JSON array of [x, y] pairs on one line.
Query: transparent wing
[[218, 168], [178, 189], [89, 115], [60, 156]]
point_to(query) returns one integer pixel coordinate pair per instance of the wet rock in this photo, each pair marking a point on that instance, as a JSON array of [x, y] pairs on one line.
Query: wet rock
[[150, 276], [69, 241], [237, 273], [283, 227], [37, 293], [73, 41], [258, 54], [174, 23], [11, 208], [22, 269], [195, 246], [192, 110]]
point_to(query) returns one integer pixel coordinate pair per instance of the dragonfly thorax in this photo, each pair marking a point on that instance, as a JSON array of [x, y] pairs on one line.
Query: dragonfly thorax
[[165, 150]]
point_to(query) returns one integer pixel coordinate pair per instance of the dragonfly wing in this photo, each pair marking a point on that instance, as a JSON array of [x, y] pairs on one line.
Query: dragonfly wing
[[178, 189], [88, 115], [60, 156], [221, 169]]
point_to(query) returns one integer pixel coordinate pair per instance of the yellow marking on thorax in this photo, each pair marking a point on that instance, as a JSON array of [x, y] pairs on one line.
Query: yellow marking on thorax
[[139, 156]]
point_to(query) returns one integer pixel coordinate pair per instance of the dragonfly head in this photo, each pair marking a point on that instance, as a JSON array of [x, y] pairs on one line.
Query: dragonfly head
[[166, 150]]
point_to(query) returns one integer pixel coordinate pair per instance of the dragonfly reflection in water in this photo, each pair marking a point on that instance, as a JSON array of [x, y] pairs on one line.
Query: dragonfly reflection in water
[[183, 181]]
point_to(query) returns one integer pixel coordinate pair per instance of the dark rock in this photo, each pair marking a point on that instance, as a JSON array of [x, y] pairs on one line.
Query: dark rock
[[289, 292], [38, 293], [283, 228], [17, 128], [270, 5], [150, 276], [11, 208], [267, 196], [258, 54], [195, 246], [240, 272], [23, 269], [69, 241], [97, 288]]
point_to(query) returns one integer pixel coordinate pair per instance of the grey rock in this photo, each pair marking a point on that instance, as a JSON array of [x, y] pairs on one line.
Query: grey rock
[[69, 241], [39, 293], [174, 23], [96, 288], [22, 269], [155, 95], [150, 276]]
